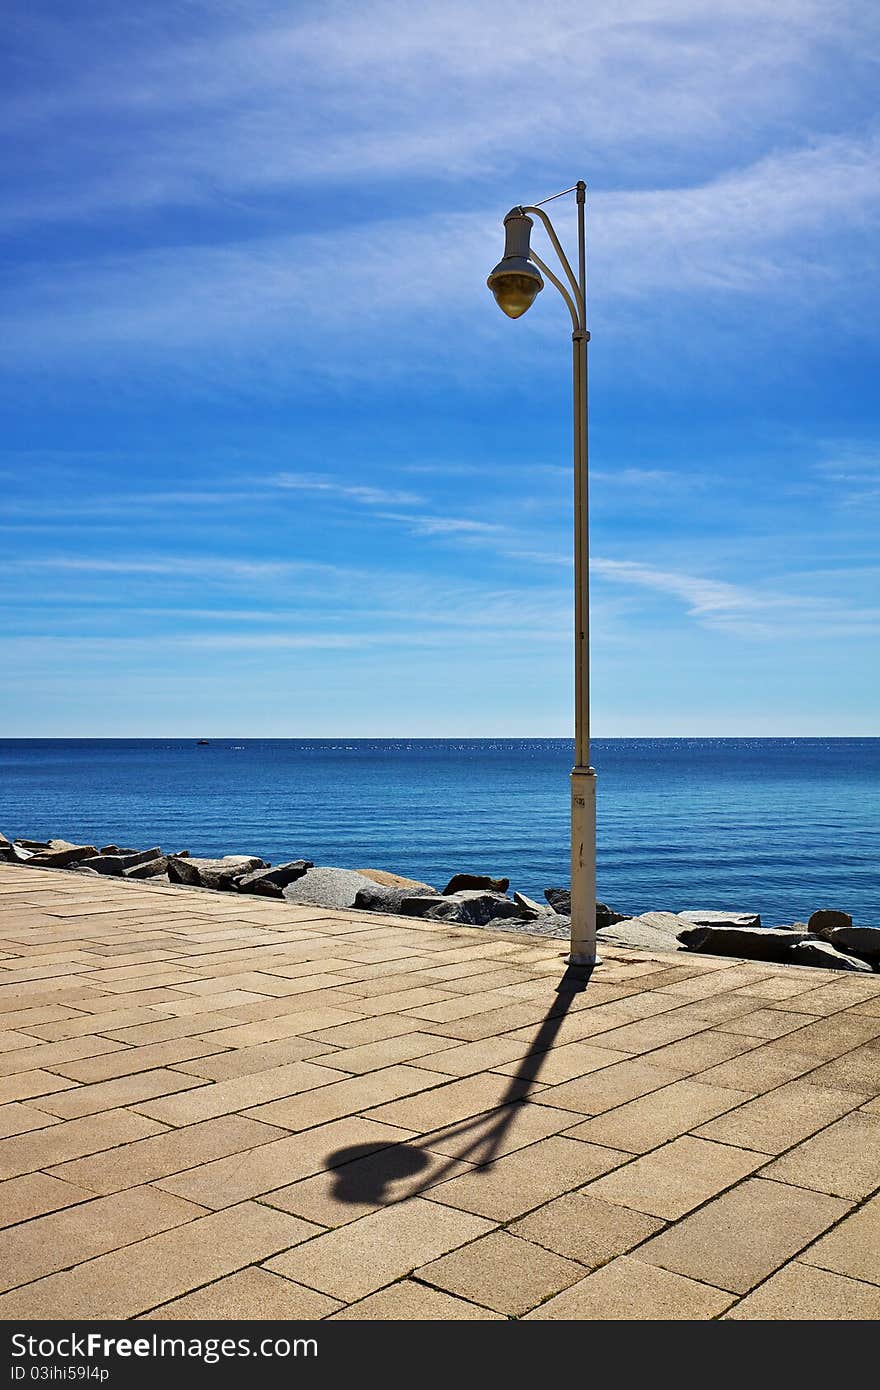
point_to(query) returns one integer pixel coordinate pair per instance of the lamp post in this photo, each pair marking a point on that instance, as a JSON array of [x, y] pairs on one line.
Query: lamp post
[[515, 282]]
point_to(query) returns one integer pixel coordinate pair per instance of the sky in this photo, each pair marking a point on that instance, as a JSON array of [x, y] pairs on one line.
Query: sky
[[274, 464]]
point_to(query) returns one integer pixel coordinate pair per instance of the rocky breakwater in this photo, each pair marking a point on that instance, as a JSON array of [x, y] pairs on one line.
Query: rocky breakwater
[[829, 939]]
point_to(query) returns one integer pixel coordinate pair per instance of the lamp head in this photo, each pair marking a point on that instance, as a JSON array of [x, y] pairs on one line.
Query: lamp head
[[515, 281]]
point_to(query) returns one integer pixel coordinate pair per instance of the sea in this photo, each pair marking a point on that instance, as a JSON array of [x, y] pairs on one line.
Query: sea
[[772, 825]]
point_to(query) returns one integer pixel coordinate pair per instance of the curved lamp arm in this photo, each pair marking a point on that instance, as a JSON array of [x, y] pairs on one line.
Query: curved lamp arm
[[564, 262], [555, 280]]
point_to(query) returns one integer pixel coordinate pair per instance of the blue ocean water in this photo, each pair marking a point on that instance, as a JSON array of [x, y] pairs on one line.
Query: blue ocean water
[[781, 826]]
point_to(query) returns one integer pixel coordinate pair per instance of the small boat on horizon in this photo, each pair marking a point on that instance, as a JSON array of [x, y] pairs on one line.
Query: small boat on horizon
[[203, 742]]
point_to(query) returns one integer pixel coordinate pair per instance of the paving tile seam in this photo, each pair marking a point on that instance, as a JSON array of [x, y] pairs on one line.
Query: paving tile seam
[[255, 1264], [771, 1158]]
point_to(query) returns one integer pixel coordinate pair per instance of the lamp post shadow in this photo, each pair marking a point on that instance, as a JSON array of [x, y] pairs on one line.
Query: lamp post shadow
[[366, 1177]]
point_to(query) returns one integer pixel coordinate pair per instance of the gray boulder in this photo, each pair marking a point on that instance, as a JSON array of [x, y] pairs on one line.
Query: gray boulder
[[6, 851], [219, 874], [827, 920], [460, 883], [31, 844], [328, 887], [60, 858], [270, 883], [150, 868], [472, 908], [750, 943], [705, 917], [389, 880], [822, 953], [529, 908], [858, 941], [652, 931], [118, 863], [559, 899], [381, 898]]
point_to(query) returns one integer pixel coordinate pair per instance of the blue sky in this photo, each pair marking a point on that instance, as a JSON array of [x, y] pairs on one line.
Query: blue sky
[[273, 463]]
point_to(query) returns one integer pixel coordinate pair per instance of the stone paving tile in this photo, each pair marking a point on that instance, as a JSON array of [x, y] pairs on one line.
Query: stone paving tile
[[853, 1248], [674, 1179], [359, 1258], [246, 1061], [497, 1132], [354, 1094], [858, 1070], [780, 1118], [136, 1059], [172, 1151], [133, 1280], [831, 998], [828, 1038], [651, 1120], [629, 1290], [704, 1050], [407, 1301], [741, 1237], [26, 1153], [36, 1194], [225, 1097], [843, 1159], [231, 1032], [759, 1071], [34, 1055], [559, 1064], [607, 1088], [766, 1023], [20, 1119], [491, 1024], [137, 1090], [585, 1229], [364, 1030], [12, 1042], [403, 1047], [466, 1059], [527, 1178], [503, 1272], [225, 1181], [251, 1295], [450, 1102], [79, 1233], [364, 1184], [802, 1293]]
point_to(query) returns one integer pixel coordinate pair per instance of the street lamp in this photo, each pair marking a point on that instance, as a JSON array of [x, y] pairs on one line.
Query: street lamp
[[515, 282]]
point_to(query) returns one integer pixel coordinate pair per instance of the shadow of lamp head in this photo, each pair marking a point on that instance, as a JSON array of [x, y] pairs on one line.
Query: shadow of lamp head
[[370, 1179], [515, 281]]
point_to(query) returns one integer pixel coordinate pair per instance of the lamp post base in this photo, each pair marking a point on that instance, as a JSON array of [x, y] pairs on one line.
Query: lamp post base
[[583, 866]]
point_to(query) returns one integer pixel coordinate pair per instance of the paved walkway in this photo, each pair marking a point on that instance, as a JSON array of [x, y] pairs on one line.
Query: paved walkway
[[220, 1106]]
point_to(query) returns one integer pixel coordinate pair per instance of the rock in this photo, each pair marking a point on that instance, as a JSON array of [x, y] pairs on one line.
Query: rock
[[63, 844], [396, 880], [824, 954], [826, 920], [270, 883], [529, 907], [651, 931], [750, 943], [328, 887], [118, 863], [606, 916], [460, 883], [109, 849], [151, 868], [31, 844], [6, 848], [218, 874], [472, 907], [388, 899], [419, 904], [61, 858], [858, 941], [559, 899], [705, 917]]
